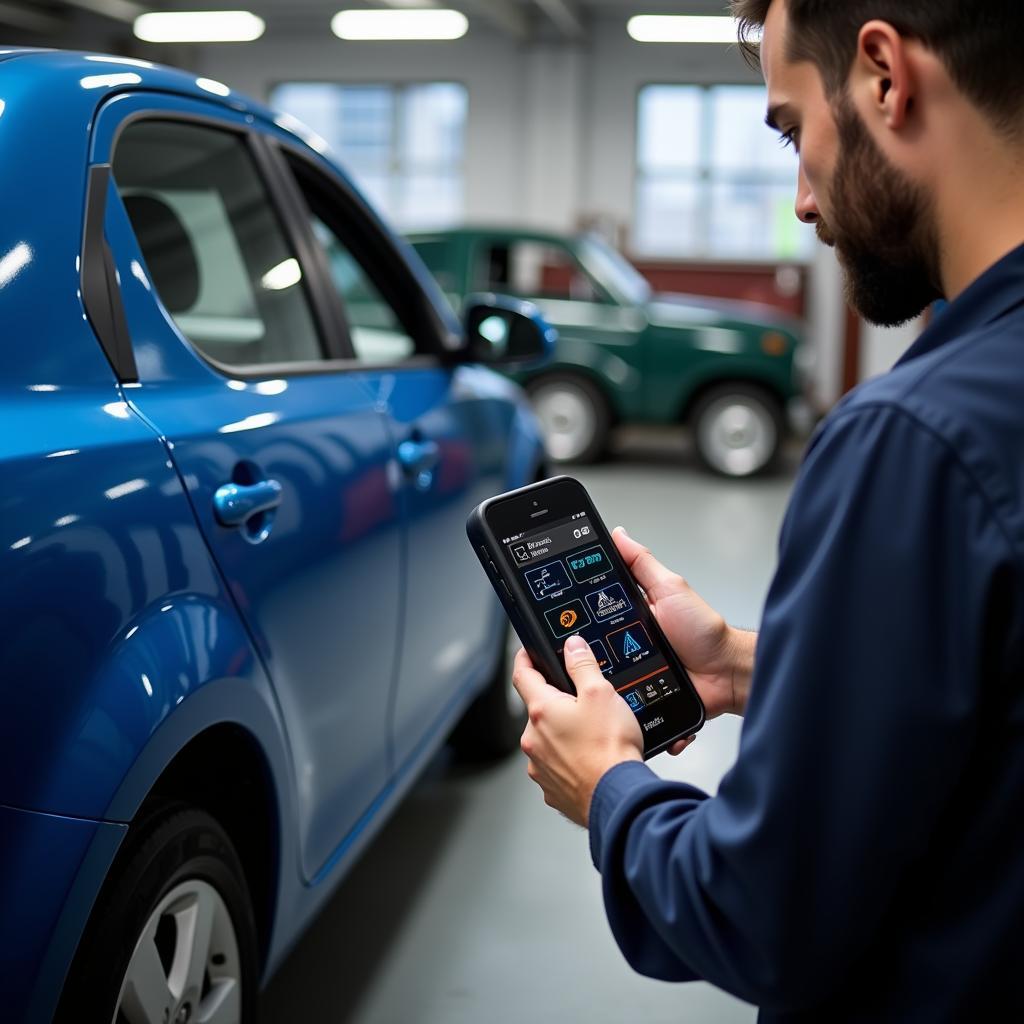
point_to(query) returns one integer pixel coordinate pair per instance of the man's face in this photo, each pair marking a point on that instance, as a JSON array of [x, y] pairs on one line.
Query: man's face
[[878, 219]]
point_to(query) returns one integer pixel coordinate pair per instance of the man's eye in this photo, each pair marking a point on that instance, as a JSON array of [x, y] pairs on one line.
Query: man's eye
[[787, 139]]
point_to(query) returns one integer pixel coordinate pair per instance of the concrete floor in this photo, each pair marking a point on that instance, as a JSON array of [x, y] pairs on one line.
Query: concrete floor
[[477, 904]]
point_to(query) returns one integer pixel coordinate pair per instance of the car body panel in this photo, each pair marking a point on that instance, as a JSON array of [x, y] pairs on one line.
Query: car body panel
[[650, 358], [126, 627]]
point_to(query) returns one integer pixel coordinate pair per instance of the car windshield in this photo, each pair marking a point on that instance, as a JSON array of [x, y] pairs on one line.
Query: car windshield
[[612, 271]]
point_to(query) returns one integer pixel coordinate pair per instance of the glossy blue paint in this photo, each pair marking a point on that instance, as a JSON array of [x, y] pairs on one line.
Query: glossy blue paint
[[136, 613]]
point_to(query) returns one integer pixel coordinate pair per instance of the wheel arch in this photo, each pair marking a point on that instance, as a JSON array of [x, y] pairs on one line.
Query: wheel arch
[[694, 396]]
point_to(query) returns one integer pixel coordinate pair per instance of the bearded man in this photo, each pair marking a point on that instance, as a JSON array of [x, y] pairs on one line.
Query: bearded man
[[864, 858]]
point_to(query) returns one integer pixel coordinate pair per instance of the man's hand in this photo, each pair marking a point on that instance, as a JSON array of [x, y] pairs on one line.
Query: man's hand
[[720, 659], [572, 741]]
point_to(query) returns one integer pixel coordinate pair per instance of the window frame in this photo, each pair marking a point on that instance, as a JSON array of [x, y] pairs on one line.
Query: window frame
[[325, 304], [702, 176]]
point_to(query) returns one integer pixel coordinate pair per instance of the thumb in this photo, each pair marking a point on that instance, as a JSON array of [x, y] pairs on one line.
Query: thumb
[[582, 665]]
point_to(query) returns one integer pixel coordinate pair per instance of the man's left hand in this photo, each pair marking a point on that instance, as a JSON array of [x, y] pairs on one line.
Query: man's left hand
[[572, 741]]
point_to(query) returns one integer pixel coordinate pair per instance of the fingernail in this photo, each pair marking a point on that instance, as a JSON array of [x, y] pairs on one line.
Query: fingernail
[[575, 644], [623, 529]]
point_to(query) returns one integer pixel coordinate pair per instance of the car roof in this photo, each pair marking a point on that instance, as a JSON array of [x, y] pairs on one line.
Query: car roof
[[30, 66]]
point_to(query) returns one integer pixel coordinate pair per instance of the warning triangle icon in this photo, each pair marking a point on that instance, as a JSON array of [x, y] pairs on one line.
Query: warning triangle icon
[[629, 645]]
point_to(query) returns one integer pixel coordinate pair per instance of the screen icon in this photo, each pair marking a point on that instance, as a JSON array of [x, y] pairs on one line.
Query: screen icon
[[588, 564], [548, 581], [634, 700], [522, 555], [630, 644], [608, 602], [567, 618]]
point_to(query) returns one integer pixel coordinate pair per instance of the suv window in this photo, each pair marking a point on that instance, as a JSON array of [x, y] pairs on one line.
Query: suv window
[[533, 269], [216, 253]]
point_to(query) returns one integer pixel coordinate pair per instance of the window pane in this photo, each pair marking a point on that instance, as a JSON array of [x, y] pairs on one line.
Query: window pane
[[533, 269], [669, 127], [741, 141], [433, 125], [377, 336], [669, 218], [756, 222], [428, 200], [214, 249]]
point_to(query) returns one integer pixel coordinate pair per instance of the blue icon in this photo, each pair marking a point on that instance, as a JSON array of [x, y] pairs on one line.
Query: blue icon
[[629, 645], [634, 700]]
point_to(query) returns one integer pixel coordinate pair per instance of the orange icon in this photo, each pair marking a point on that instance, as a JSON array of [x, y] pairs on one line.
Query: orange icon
[[568, 618]]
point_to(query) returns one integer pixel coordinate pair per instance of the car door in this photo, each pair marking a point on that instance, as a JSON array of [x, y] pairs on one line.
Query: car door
[[451, 426], [284, 452]]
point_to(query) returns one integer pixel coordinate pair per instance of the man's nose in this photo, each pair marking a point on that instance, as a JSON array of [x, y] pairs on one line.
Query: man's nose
[[806, 206]]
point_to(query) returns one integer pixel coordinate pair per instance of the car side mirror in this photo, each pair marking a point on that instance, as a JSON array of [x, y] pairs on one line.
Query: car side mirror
[[503, 331]]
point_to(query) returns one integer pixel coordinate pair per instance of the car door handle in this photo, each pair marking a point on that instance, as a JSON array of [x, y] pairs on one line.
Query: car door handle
[[418, 459], [234, 504]]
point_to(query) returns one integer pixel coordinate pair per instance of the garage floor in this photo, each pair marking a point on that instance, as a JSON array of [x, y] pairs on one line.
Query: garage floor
[[477, 904]]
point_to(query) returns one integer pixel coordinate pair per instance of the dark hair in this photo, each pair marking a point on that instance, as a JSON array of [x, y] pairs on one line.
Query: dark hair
[[978, 42]]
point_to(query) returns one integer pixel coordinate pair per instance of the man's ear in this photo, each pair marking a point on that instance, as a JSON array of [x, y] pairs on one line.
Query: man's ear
[[882, 71]]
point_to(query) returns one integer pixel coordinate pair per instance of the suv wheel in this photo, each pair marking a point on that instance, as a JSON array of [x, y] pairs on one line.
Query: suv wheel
[[172, 939], [738, 429], [493, 723], [573, 415]]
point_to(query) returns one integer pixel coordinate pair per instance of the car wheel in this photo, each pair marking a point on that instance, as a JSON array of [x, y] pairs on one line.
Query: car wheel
[[172, 939], [738, 429], [573, 415], [494, 722]]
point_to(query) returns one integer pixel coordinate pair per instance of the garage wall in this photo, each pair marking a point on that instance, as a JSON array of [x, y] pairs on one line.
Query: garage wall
[[551, 136]]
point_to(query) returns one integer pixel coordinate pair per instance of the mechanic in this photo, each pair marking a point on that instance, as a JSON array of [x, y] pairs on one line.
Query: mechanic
[[864, 858]]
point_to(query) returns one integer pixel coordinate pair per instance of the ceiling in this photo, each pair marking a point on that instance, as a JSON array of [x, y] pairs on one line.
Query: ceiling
[[87, 22]]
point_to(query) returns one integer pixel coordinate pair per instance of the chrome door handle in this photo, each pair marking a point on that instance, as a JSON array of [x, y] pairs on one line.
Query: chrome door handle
[[234, 504]]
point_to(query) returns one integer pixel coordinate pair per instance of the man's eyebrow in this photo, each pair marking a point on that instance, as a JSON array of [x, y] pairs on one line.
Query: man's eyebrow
[[775, 114]]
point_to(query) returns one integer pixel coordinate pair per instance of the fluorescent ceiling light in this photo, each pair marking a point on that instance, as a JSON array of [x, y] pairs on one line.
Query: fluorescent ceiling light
[[401, 24], [682, 28], [199, 27]]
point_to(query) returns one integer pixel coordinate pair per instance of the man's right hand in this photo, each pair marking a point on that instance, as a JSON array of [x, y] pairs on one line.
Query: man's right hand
[[720, 659]]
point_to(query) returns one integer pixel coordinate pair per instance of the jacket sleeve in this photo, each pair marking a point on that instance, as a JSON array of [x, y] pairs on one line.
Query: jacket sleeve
[[862, 710]]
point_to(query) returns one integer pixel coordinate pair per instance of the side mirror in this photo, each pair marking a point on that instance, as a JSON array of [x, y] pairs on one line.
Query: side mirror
[[504, 331]]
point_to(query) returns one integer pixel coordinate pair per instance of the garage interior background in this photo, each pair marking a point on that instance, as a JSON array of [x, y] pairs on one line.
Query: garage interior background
[[554, 118]]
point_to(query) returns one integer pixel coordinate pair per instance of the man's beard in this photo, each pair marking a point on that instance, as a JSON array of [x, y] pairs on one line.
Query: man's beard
[[883, 230]]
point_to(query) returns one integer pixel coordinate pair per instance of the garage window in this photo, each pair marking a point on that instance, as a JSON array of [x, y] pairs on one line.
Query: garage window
[[403, 144], [214, 249], [712, 182]]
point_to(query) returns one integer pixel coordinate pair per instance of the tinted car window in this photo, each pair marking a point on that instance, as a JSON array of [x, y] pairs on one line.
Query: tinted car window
[[215, 250]]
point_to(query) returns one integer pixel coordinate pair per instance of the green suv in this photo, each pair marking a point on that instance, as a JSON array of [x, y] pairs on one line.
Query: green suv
[[627, 355]]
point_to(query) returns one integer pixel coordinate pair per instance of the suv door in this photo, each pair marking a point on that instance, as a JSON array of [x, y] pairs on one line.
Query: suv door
[[451, 425], [286, 457]]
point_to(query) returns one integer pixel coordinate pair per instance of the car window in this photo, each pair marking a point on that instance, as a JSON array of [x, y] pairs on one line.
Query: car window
[[533, 269], [215, 250], [377, 335]]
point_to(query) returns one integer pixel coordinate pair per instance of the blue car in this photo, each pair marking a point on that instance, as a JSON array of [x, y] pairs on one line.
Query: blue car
[[237, 610]]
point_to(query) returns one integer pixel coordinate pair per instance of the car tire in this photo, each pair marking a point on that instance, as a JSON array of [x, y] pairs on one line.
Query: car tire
[[492, 725], [176, 887], [738, 429], [574, 417]]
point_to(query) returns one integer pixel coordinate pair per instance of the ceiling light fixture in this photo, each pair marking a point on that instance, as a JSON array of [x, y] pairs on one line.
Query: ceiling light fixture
[[399, 25], [682, 28], [199, 27]]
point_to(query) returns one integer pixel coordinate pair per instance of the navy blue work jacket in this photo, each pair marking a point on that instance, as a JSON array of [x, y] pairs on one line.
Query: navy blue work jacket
[[864, 858]]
